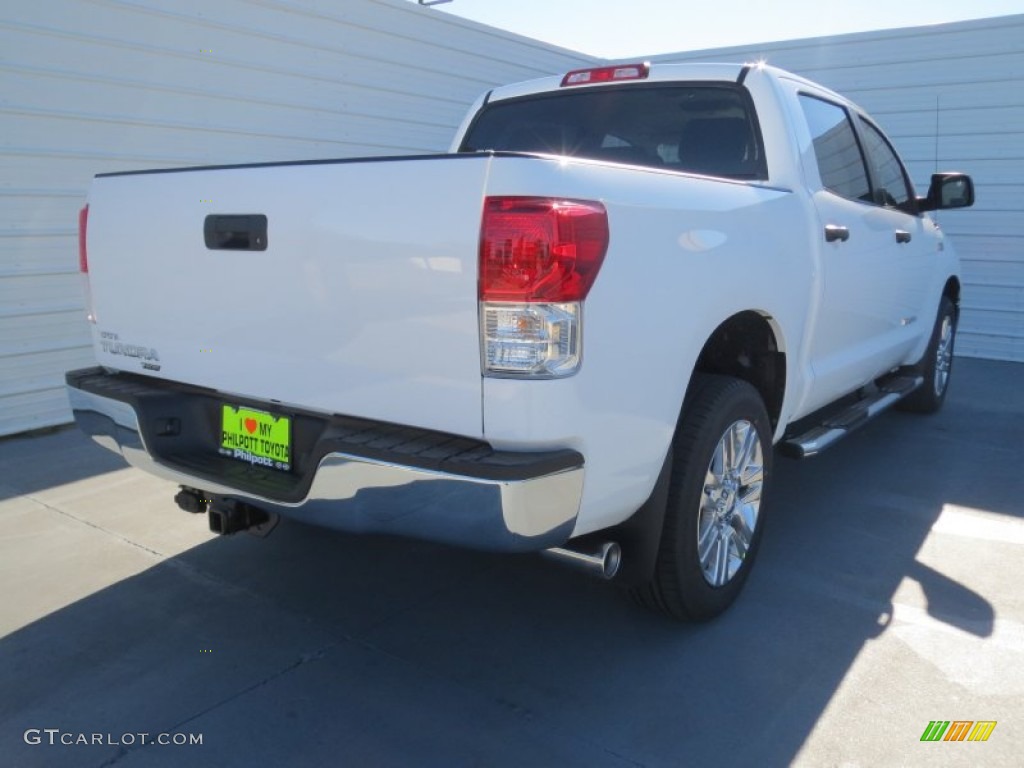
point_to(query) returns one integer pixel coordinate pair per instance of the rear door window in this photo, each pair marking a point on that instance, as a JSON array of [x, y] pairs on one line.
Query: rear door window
[[706, 129], [840, 162]]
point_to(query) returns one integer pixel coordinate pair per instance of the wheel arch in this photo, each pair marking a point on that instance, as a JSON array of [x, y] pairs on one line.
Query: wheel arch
[[749, 345], [952, 290]]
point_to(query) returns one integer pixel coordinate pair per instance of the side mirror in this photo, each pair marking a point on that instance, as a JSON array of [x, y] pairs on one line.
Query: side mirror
[[948, 190]]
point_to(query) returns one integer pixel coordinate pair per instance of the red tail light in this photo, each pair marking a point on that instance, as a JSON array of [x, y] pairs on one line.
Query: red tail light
[[83, 225], [541, 249]]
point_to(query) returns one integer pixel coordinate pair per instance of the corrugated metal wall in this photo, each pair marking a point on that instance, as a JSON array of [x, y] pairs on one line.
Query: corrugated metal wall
[[88, 86], [951, 97]]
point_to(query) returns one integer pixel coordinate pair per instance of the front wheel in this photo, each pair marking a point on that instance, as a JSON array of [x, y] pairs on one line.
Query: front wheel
[[936, 365], [714, 517]]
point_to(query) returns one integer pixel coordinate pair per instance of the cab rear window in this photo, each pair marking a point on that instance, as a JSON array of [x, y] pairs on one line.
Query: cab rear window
[[696, 128]]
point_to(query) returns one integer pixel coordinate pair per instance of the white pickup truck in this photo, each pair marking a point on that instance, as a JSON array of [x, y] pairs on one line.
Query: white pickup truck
[[582, 331]]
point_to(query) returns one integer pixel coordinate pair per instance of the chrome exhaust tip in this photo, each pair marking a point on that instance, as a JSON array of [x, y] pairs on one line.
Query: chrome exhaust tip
[[604, 563]]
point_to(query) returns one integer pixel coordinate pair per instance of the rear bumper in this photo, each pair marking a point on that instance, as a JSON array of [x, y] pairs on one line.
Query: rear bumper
[[349, 474]]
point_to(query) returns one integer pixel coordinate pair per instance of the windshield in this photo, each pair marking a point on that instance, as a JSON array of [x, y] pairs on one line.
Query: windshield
[[706, 129]]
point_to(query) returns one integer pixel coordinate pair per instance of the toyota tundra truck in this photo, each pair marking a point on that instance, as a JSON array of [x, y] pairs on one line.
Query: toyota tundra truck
[[584, 331]]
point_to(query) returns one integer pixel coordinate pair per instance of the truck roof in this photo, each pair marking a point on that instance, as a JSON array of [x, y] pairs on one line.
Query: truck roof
[[656, 72]]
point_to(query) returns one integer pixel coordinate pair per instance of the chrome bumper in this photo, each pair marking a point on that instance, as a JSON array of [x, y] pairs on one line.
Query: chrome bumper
[[357, 494]]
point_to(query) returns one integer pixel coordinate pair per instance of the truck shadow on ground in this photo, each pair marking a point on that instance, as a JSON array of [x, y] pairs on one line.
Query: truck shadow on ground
[[313, 647], [35, 466]]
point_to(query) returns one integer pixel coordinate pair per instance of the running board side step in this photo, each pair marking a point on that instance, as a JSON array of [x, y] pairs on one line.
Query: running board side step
[[839, 425]]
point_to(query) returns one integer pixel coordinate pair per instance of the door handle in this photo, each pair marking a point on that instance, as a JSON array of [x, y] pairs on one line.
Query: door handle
[[902, 236], [834, 232]]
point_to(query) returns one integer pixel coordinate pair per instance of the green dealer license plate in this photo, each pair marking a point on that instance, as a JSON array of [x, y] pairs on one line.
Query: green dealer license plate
[[256, 437]]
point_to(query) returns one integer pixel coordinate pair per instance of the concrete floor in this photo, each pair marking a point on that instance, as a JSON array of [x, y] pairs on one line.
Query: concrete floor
[[887, 594]]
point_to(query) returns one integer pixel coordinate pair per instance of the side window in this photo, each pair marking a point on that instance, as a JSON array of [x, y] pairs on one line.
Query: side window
[[893, 189], [840, 162]]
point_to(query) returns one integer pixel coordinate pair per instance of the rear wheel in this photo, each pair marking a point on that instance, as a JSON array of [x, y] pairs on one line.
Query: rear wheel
[[714, 517], [937, 363]]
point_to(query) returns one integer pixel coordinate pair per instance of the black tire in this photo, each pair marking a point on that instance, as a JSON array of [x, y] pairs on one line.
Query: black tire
[[929, 397], [679, 587]]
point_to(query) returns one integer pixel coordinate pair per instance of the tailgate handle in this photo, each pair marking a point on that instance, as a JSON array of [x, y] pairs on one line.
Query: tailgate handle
[[236, 232]]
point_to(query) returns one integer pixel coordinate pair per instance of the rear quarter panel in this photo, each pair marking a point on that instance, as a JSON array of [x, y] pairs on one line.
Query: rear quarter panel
[[685, 254]]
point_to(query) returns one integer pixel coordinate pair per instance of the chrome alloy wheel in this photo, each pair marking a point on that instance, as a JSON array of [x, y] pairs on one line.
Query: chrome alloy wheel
[[944, 355], [730, 503]]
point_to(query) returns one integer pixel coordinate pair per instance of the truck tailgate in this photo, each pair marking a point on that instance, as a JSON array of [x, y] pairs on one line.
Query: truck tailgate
[[363, 303]]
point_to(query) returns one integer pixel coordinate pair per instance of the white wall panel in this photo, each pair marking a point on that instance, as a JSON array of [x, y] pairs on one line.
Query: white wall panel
[[967, 79], [92, 86]]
